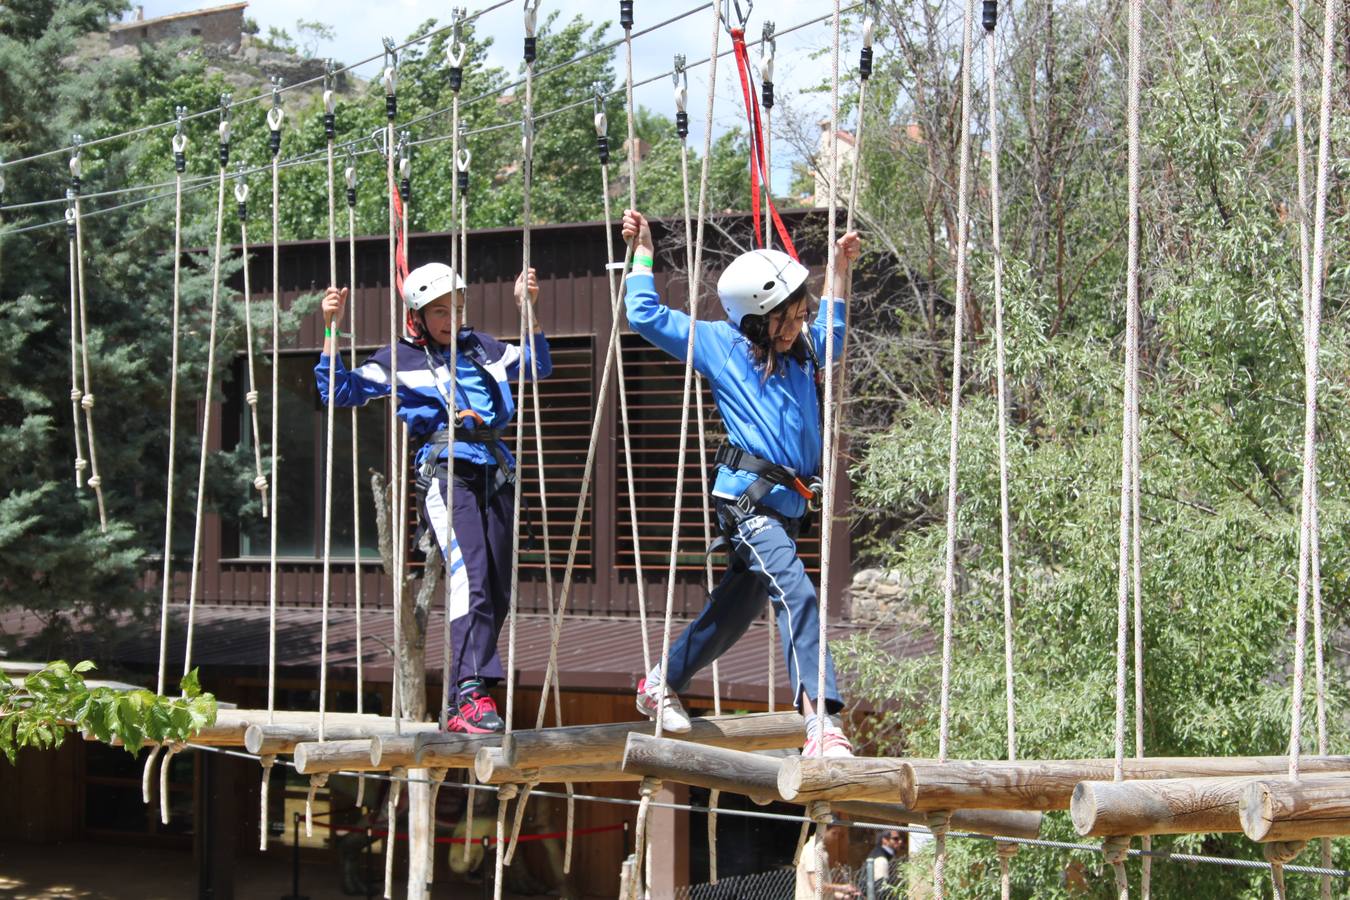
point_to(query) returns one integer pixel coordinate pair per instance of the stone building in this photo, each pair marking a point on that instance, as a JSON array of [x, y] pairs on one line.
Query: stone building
[[220, 26]]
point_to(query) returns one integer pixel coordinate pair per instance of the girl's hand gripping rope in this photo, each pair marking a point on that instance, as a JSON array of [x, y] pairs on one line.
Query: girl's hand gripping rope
[[639, 233], [528, 281], [847, 249], [334, 303]]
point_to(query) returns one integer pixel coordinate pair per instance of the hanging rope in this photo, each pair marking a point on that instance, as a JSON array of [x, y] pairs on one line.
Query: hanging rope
[[208, 404], [75, 393], [331, 330], [527, 147], [350, 177], [958, 328], [694, 286], [87, 400], [251, 396], [990, 23], [389, 78], [274, 120], [767, 49]]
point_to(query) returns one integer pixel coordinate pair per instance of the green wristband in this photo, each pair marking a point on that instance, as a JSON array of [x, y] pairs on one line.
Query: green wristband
[[330, 333], [643, 260]]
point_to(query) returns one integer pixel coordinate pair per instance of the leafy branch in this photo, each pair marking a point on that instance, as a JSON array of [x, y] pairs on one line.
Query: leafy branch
[[39, 711]]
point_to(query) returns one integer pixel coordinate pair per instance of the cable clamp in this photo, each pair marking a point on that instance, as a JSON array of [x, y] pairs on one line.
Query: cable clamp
[[531, 16], [869, 26], [768, 47], [680, 78], [462, 163], [601, 120], [455, 50], [404, 155], [240, 185], [389, 78]]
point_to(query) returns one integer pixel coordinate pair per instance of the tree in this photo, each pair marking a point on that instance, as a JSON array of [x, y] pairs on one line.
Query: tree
[[1222, 417]]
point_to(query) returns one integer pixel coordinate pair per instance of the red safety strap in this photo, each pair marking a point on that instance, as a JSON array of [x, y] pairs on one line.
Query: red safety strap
[[401, 262], [758, 169]]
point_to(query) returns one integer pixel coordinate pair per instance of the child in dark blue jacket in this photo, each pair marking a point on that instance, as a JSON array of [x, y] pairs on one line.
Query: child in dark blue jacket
[[762, 365], [476, 541]]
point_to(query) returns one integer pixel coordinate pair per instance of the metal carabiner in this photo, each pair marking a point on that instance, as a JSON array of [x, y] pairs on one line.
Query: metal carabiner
[[389, 77], [741, 17], [768, 48], [240, 185], [455, 50], [598, 97], [679, 77]]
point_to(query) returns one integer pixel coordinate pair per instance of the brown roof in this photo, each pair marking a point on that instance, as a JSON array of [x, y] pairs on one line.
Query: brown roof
[[190, 14], [595, 654]]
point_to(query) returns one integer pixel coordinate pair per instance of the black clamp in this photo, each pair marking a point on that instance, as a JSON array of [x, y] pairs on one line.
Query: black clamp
[[454, 51], [350, 175], [990, 15], [404, 166], [224, 130], [70, 214], [76, 168], [768, 49], [680, 77], [241, 194], [180, 140], [601, 124], [626, 15], [329, 101], [531, 17], [390, 80]]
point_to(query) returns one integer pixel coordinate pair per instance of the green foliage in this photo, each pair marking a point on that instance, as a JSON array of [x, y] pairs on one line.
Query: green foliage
[[55, 700], [1221, 405]]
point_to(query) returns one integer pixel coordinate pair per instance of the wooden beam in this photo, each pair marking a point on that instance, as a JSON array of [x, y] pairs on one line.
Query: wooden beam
[[451, 750], [313, 758], [490, 769], [882, 780], [717, 768], [265, 740], [1158, 806], [1282, 810], [231, 725], [1049, 785], [993, 822], [604, 744], [389, 751]]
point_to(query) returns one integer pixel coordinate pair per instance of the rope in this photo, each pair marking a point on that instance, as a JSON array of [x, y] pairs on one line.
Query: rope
[[392, 817], [454, 53], [75, 393], [251, 396], [527, 169], [326, 579], [164, 782], [148, 774], [397, 464], [274, 120], [86, 401], [264, 792], [1278, 853], [1311, 350], [958, 309], [224, 132], [350, 176]]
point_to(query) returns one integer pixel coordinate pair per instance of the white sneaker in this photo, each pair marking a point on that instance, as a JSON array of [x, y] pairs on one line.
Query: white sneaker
[[674, 720], [836, 743]]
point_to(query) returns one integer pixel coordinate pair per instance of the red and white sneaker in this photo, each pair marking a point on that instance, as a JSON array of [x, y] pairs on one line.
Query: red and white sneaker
[[477, 714], [674, 720], [836, 744]]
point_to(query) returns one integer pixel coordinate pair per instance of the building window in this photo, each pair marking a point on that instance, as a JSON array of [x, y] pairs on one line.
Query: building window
[[301, 447]]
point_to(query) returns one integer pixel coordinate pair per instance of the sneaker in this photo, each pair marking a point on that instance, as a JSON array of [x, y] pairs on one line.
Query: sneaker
[[477, 714], [674, 720], [836, 744]]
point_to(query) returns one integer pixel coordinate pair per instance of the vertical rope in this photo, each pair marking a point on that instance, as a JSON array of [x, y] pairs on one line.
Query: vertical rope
[[208, 402], [81, 464], [251, 396], [397, 465], [768, 46], [350, 177], [326, 579], [276, 408], [1311, 349], [86, 401], [958, 309], [454, 53]]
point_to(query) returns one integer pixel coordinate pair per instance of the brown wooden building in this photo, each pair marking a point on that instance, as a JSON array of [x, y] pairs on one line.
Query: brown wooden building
[[601, 654]]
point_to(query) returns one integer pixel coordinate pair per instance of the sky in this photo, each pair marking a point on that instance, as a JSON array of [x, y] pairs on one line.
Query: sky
[[359, 26]]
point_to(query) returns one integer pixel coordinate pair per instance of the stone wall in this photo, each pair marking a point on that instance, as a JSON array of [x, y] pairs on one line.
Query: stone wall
[[223, 27]]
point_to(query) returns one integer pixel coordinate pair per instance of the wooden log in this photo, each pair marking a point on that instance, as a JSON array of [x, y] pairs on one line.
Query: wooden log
[[1281, 810], [231, 725], [315, 757], [451, 750], [272, 739], [581, 745], [992, 822], [717, 768], [1157, 806], [883, 780], [490, 769], [388, 751], [1049, 785]]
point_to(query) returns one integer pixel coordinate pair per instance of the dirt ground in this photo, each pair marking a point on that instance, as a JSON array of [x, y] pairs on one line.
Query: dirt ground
[[80, 871]]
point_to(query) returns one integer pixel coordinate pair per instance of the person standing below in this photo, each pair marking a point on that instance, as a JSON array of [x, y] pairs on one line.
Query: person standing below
[[462, 437], [808, 873], [881, 871], [764, 366]]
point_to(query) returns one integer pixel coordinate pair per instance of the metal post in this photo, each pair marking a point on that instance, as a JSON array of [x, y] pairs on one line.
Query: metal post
[[295, 861]]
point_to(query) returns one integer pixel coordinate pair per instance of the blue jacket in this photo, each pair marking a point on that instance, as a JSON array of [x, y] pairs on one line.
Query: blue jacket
[[422, 389], [777, 418]]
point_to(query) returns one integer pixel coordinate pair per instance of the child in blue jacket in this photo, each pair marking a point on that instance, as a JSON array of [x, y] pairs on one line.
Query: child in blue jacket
[[762, 365], [476, 541]]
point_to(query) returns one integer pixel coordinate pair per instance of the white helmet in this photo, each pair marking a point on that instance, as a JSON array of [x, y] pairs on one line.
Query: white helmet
[[757, 282], [430, 282]]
